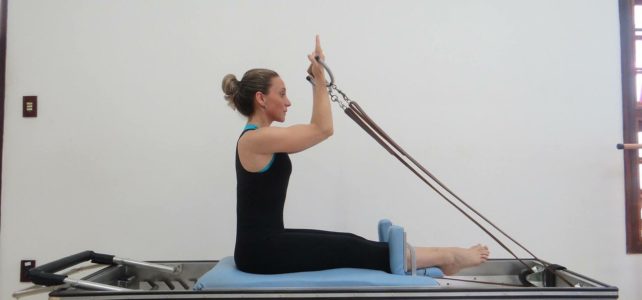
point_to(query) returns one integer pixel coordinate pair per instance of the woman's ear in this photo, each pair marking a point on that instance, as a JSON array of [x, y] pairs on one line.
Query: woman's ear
[[260, 99]]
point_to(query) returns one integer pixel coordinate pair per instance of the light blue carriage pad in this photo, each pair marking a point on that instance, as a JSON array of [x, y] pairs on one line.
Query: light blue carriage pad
[[226, 275]]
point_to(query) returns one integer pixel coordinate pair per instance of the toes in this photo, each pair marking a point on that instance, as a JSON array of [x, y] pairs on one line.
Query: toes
[[480, 247]]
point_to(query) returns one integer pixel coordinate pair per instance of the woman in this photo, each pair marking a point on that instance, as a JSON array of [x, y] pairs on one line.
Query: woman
[[263, 169]]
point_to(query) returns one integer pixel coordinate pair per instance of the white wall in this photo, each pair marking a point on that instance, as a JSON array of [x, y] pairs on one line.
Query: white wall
[[515, 105]]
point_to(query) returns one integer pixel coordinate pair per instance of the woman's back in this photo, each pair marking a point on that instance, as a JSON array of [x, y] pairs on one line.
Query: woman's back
[[261, 197]]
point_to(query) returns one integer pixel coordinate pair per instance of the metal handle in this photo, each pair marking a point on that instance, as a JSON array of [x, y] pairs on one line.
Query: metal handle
[[45, 274], [309, 78]]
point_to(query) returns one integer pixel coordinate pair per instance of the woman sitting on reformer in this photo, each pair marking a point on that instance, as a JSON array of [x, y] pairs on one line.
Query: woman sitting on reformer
[[263, 169]]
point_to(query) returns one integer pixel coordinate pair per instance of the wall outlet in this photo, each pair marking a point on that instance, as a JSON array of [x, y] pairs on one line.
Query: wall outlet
[[29, 106], [25, 266]]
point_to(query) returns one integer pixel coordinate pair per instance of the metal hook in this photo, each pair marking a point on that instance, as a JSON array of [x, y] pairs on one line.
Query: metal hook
[[309, 78]]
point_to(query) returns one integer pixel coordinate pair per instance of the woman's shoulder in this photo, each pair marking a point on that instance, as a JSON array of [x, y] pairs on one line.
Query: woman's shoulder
[[289, 139]]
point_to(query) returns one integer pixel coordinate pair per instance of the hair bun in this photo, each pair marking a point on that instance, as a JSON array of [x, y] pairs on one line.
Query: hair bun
[[231, 89]]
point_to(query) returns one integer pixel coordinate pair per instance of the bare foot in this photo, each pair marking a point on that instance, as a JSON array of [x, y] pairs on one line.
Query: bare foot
[[465, 258], [450, 259]]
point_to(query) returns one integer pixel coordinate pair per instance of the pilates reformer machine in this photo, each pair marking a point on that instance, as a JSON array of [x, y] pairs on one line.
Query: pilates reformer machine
[[516, 278]]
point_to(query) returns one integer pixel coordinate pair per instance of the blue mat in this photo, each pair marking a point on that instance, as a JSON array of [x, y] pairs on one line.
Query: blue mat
[[226, 275]]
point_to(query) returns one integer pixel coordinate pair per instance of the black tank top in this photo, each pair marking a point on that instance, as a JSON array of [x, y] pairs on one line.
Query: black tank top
[[260, 197]]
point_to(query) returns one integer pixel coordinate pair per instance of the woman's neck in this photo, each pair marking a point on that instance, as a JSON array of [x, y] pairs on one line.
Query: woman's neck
[[259, 120]]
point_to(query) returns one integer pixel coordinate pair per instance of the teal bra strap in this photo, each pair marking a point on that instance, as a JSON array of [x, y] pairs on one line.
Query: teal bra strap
[[250, 127], [267, 167]]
